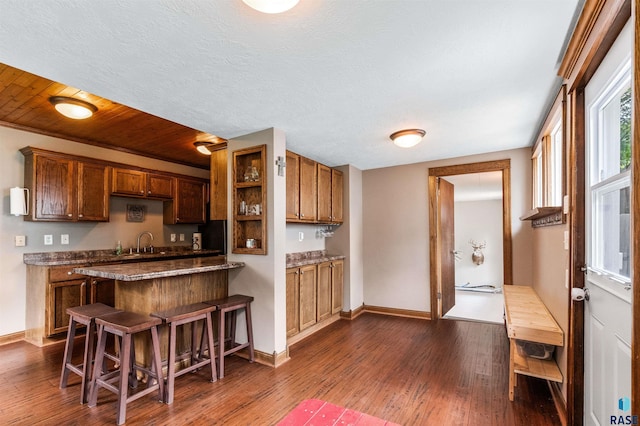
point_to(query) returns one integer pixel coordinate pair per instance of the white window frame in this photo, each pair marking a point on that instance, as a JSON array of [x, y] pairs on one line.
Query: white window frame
[[599, 185]]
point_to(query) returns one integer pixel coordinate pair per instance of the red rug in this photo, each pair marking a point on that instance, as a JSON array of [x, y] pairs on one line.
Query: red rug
[[320, 413]]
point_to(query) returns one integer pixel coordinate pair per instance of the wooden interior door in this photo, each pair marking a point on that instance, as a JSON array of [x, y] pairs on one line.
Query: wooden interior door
[[447, 245]]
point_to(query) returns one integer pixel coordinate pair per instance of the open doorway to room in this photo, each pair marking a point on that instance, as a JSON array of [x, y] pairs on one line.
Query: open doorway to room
[[443, 250], [478, 247]]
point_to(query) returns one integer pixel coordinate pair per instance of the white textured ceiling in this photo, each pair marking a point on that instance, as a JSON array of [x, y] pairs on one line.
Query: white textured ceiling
[[338, 76]]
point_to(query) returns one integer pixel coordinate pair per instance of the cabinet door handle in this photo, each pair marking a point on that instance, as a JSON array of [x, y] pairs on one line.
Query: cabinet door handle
[[297, 272], [69, 272], [149, 192], [301, 272], [301, 214], [80, 215], [70, 215]]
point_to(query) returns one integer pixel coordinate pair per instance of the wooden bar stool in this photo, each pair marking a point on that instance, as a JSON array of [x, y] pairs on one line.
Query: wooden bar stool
[[86, 315], [125, 325], [230, 305], [181, 315]]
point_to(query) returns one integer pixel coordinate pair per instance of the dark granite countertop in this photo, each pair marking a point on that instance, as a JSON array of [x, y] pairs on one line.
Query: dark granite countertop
[[159, 269], [295, 260], [91, 257]]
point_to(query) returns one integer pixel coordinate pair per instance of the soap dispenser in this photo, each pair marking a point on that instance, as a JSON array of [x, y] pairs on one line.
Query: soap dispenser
[[118, 248]]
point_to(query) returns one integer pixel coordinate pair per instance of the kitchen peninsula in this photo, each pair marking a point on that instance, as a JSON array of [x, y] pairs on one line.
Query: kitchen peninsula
[[146, 287], [141, 283]]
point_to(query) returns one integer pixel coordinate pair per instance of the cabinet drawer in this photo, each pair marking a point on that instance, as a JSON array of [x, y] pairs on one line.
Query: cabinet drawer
[[64, 273]]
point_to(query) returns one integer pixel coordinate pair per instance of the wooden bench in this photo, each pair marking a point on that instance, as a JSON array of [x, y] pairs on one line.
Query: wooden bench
[[527, 318]]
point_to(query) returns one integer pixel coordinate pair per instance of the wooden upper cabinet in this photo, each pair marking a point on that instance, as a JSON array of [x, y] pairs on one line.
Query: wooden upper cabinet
[[330, 195], [218, 181], [138, 183], [65, 189], [324, 193], [52, 189], [93, 192], [131, 183], [159, 186], [189, 203], [314, 191], [308, 190], [337, 196], [293, 186]]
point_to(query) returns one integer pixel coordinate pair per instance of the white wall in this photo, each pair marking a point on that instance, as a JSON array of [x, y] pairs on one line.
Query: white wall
[[264, 276], [310, 242], [479, 221], [396, 229], [82, 236]]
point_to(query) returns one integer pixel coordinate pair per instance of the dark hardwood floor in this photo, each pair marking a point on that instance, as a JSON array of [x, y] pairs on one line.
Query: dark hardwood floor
[[408, 371]]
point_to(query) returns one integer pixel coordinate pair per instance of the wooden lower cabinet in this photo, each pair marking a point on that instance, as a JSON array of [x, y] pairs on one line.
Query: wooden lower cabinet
[[66, 289], [314, 294], [293, 301], [307, 296], [337, 285], [324, 291]]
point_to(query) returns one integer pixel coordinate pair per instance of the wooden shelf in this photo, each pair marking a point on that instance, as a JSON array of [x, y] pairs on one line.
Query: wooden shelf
[[527, 318], [544, 216], [546, 369], [249, 184], [252, 193], [244, 217]]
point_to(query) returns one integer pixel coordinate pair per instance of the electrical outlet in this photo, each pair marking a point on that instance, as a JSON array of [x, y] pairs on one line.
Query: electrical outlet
[[173, 238], [181, 237], [21, 241], [48, 240], [64, 239]]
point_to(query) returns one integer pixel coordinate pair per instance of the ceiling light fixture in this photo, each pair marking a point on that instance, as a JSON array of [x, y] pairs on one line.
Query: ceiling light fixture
[[203, 147], [73, 108], [407, 138], [271, 6]]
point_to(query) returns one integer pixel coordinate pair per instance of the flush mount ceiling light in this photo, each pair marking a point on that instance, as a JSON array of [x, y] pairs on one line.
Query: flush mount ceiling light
[[203, 147], [407, 138], [73, 108], [271, 6]]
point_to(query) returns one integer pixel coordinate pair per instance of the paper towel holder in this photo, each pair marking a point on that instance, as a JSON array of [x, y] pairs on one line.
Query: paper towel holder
[[19, 205]]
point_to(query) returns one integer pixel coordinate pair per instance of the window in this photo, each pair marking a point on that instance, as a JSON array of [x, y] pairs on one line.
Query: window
[[548, 158], [538, 181], [555, 166], [609, 183]]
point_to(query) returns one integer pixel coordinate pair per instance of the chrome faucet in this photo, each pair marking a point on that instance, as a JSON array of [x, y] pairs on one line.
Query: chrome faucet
[[140, 236]]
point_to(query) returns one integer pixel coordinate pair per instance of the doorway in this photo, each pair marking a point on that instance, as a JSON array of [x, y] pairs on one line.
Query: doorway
[[440, 256], [477, 248], [607, 310]]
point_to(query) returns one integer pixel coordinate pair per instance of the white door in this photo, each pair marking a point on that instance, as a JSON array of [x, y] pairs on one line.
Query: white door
[[607, 353]]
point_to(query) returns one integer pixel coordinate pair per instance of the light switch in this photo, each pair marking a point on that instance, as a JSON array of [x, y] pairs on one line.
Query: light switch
[[181, 237], [300, 236], [48, 240], [173, 238], [21, 241]]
